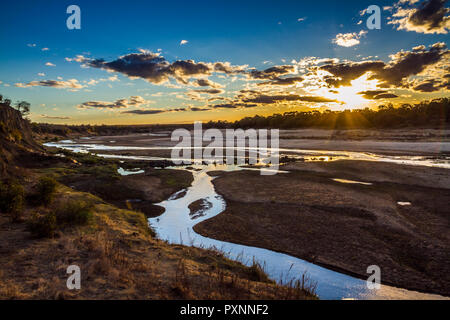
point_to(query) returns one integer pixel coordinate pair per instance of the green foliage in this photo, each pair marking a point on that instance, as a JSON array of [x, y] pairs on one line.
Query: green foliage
[[42, 226], [12, 196], [46, 189], [75, 213]]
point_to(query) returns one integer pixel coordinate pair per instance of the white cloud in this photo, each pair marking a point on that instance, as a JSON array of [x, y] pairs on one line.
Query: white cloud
[[49, 64], [183, 42], [349, 39]]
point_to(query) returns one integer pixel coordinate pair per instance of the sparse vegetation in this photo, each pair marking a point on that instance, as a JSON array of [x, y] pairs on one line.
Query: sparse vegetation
[[46, 189], [43, 225], [12, 196], [74, 213]]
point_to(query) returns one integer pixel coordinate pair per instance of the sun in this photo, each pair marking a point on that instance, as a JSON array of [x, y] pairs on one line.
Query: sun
[[350, 94]]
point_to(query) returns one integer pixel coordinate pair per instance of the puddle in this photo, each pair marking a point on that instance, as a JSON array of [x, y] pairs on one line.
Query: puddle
[[352, 182], [124, 172]]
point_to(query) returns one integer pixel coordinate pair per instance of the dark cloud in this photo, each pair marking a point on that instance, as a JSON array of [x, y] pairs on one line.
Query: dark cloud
[[282, 81], [156, 69], [72, 84], [432, 85], [403, 65], [143, 112], [197, 109], [206, 83], [134, 101], [269, 99], [272, 73], [408, 63], [209, 91], [377, 94], [234, 105], [344, 73], [431, 16]]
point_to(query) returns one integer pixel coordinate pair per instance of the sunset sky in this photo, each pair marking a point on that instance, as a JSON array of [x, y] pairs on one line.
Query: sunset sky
[[136, 62]]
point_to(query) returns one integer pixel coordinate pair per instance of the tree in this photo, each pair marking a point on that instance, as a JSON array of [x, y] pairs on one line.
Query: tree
[[23, 107]]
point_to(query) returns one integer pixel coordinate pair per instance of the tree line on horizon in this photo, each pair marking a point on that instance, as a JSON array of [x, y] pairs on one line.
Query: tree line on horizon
[[434, 113]]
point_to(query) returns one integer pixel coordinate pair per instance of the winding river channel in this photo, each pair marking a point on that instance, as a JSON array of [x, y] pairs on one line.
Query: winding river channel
[[176, 226]]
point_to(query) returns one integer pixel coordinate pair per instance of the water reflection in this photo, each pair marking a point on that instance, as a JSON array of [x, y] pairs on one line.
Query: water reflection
[[176, 226]]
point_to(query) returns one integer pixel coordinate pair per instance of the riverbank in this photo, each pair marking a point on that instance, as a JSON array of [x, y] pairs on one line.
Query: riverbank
[[117, 253], [345, 227]]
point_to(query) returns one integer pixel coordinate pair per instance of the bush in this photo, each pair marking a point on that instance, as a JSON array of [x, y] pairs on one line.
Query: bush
[[43, 226], [74, 213], [12, 196], [46, 189]]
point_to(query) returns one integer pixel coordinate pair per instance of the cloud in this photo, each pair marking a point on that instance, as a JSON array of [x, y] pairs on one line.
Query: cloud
[[49, 64], [45, 49], [54, 117], [31, 45], [343, 73], [301, 19], [183, 42], [41, 74], [156, 69], [431, 16], [270, 99], [60, 84], [402, 66], [349, 39], [282, 81], [133, 101], [272, 73], [143, 112], [432, 85], [209, 91], [234, 105], [79, 58], [377, 94], [206, 83]]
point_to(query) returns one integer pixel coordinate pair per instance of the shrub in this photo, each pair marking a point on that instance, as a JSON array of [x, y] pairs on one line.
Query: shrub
[[11, 198], [43, 226], [75, 213], [46, 189], [16, 135], [256, 272]]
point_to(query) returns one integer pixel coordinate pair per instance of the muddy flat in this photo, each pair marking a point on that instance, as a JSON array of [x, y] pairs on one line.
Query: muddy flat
[[399, 141], [345, 226]]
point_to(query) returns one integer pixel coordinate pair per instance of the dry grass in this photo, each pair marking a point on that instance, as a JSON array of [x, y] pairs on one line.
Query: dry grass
[[119, 259]]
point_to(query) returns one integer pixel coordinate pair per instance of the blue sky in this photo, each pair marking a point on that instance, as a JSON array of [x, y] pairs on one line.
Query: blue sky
[[254, 34]]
